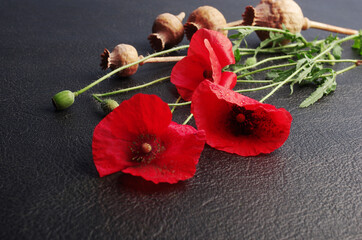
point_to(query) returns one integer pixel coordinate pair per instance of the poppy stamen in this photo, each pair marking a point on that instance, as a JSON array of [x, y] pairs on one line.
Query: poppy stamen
[[240, 118], [146, 147]]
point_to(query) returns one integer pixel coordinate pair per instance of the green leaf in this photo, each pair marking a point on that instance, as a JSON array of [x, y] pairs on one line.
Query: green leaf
[[250, 61], [237, 55], [300, 63], [318, 73], [328, 86], [337, 51], [247, 77], [274, 73], [358, 43], [283, 75]]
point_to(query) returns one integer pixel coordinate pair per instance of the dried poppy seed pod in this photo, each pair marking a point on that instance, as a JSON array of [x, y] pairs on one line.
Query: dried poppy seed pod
[[274, 14], [121, 55], [279, 13], [124, 54], [167, 31], [205, 17]]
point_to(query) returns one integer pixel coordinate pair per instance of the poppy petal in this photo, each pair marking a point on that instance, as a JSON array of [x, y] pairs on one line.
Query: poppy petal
[[187, 74], [219, 42], [227, 80], [114, 134], [216, 109], [183, 146]]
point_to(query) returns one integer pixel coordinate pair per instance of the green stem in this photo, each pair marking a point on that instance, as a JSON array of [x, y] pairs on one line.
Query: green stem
[[132, 88], [281, 84], [333, 44], [345, 69], [257, 28], [258, 88], [313, 60], [254, 81], [179, 104], [337, 61], [264, 61], [266, 68], [127, 66], [292, 64], [97, 98], [290, 80], [188, 119], [174, 106]]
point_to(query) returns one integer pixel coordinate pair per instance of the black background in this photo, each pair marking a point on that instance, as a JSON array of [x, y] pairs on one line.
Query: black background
[[310, 188]]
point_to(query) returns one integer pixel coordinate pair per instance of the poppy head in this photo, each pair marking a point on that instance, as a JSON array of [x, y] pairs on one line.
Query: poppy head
[[238, 124], [139, 138], [220, 44], [208, 53]]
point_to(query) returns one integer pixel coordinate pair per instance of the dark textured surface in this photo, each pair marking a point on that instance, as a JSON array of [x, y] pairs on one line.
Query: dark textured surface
[[310, 188]]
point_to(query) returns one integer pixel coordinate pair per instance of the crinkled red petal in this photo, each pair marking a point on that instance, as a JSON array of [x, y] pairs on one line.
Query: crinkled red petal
[[212, 106], [220, 43], [213, 62], [114, 134], [227, 80], [183, 146], [189, 72]]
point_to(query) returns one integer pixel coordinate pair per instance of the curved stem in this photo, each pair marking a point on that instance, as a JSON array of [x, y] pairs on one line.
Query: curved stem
[[337, 60], [258, 88], [131, 88], [97, 98], [257, 28], [291, 80], [174, 106], [266, 68], [179, 104], [313, 61], [188, 119], [254, 81], [263, 61], [345, 69], [281, 84], [127, 66]]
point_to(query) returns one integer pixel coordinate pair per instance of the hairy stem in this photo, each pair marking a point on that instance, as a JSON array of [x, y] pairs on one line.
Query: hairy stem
[[131, 88], [127, 66]]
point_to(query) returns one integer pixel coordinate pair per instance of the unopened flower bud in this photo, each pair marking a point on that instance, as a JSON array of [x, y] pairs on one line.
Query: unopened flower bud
[[63, 99], [250, 61], [109, 105]]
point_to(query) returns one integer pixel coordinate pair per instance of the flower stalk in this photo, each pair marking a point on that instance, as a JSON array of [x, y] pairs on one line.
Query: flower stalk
[[61, 103]]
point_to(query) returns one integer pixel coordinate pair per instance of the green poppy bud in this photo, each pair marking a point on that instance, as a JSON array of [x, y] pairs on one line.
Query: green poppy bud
[[250, 61], [109, 105], [331, 57], [63, 99]]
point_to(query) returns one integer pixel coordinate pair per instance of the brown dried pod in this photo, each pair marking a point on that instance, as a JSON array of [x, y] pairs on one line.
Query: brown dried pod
[[167, 31], [121, 55], [124, 54], [205, 17], [276, 13]]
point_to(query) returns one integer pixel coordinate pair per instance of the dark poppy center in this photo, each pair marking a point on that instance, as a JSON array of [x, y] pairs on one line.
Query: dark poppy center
[[146, 148], [241, 121], [240, 118], [207, 74]]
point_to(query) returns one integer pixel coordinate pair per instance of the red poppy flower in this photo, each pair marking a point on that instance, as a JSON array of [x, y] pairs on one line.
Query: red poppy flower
[[139, 138], [220, 44], [208, 53], [237, 124]]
